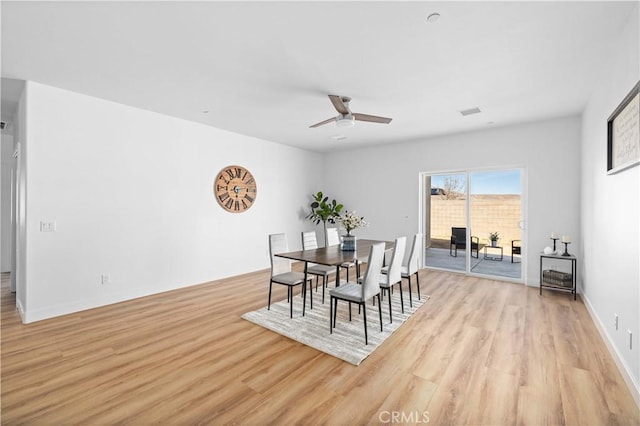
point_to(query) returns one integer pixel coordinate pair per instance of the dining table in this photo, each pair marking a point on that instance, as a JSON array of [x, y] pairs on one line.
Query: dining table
[[332, 256]]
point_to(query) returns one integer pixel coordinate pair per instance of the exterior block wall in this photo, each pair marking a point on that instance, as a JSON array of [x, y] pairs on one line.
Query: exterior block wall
[[489, 213]]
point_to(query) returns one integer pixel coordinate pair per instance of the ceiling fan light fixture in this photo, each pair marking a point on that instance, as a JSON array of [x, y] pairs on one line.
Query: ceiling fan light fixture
[[346, 121], [345, 117]]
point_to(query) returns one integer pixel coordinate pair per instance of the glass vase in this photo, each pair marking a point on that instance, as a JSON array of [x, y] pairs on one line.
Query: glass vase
[[348, 243]]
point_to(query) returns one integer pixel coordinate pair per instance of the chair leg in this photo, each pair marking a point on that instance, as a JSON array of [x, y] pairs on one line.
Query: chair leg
[[304, 296], [349, 311], [410, 294], [290, 292], [380, 310], [331, 315], [324, 279], [335, 311], [390, 316], [418, 284], [364, 315], [269, 302], [401, 297]]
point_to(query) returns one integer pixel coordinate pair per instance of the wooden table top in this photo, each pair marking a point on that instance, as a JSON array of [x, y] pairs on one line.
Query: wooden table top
[[332, 255]]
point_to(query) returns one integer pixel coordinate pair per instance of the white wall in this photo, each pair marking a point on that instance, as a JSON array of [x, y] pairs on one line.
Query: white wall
[[382, 182], [131, 194], [19, 236], [611, 207], [6, 153]]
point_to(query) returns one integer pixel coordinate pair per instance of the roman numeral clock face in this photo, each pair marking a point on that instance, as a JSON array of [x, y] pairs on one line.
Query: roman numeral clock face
[[235, 189]]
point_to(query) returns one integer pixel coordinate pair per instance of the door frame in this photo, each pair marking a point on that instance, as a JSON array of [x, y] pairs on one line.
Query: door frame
[[424, 205]]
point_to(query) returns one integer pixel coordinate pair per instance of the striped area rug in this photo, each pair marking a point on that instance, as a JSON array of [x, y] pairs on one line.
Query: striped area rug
[[347, 340]]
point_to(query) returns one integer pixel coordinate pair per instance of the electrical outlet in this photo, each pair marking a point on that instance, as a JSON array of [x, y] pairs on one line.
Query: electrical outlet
[[47, 226], [106, 279], [630, 339], [615, 319]]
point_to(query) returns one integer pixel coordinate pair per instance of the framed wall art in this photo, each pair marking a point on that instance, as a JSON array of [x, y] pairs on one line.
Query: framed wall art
[[623, 133]]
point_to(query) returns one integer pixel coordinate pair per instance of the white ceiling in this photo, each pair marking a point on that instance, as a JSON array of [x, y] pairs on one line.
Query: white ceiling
[[265, 69]]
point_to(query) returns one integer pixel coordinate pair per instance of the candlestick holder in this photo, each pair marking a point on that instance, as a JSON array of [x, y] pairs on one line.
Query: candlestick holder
[[566, 252], [554, 244]]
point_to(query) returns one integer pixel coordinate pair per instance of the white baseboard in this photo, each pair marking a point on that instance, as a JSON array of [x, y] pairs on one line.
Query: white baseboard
[[52, 311], [20, 310], [633, 386]]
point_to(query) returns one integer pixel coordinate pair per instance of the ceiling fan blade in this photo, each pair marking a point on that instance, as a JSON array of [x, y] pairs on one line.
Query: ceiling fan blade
[[328, 120], [338, 104], [371, 118]]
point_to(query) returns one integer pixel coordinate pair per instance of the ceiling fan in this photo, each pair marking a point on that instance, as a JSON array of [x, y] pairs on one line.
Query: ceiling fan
[[346, 118]]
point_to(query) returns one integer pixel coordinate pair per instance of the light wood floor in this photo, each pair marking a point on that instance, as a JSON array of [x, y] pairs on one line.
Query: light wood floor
[[479, 352]]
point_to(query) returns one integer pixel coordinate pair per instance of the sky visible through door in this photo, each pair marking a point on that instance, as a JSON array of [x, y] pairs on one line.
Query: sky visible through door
[[495, 182]]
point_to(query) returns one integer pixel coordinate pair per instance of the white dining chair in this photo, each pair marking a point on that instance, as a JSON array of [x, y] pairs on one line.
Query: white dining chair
[[334, 239], [281, 272], [393, 275], [412, 266], [360, 294], [309, 242]]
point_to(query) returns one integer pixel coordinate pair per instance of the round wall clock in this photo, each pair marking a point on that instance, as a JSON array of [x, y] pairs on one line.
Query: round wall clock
[[235, 189]]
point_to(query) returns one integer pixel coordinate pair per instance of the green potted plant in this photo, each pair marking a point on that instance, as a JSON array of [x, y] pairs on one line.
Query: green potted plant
[[494, 236], [323, 211]]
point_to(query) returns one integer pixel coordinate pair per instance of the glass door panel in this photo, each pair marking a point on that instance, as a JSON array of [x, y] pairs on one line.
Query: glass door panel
[[445, 221], [495, 206]]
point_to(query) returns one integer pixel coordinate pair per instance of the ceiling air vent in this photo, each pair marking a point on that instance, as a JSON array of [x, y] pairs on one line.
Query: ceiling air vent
[[3, 125], [470, 111]]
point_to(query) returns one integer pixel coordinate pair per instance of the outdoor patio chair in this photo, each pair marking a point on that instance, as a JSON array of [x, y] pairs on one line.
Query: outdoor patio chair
[[516, 248], [459, 241]]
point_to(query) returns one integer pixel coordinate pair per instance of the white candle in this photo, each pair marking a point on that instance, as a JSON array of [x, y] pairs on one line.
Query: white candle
[[566, 239], [553, 235]]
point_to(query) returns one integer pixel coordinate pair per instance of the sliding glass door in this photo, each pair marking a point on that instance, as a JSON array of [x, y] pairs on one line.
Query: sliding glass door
[[473, 221]]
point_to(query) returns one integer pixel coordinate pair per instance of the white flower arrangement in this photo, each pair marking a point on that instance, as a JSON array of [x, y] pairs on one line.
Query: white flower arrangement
[[351, 221]]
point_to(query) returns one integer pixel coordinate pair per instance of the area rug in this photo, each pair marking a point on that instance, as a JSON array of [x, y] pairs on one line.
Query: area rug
[[347, 340]]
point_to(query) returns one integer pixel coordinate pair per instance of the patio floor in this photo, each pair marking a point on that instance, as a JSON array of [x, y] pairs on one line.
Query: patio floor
[[440, 258]]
